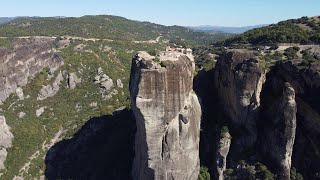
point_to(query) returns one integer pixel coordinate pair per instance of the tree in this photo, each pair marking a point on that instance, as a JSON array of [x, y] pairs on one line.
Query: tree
[[204, 174]]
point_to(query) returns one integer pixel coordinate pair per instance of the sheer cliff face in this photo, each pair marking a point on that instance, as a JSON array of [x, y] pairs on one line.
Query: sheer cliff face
[[24, 61], [238, 80], [279, 131], [305, 83], [167, 113]]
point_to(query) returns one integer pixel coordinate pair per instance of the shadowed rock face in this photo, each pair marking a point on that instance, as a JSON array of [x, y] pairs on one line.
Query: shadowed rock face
[[306, 85], [24, 61], [279, 130], [238, 79], [167, 115]]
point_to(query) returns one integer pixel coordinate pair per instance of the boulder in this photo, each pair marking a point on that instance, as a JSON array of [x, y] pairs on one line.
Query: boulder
[[19, 92], [40, 111], [73, 80], [50, 90]]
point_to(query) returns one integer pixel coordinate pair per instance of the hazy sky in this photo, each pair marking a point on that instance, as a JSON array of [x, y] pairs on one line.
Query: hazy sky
[[170, 12]]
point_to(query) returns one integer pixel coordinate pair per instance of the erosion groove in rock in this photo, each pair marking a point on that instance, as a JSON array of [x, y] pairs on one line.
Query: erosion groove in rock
[[167, 113]]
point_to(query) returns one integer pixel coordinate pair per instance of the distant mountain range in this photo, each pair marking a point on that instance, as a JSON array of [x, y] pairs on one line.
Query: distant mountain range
[[224, 29]]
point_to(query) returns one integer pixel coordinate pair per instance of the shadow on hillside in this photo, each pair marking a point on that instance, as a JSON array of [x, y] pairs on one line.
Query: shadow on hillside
[[102, 149]]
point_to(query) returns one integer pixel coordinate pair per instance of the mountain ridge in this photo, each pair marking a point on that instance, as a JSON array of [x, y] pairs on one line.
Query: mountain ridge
[[225, 29]]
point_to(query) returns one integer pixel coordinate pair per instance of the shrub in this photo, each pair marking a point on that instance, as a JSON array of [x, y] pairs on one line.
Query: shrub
[[204, 174], [294, 175], [163, 64], [262, 172], [291, 52]]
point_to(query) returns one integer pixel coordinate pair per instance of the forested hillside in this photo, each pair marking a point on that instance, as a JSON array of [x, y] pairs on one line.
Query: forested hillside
[[104, 27], [304, 30]]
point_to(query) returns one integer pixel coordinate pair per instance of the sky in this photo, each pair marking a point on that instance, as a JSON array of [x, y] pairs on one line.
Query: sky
[[170, 12]]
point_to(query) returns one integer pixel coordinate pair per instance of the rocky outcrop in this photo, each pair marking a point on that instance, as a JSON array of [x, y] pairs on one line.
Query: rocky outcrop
[[6, 138], [50, 90], [105, 82], [238, 78], [222, 152], [279, 130], [40, 111], [119, 83], [23, 61], [20, 94], [167, 113], [73, 80], [305, 83]]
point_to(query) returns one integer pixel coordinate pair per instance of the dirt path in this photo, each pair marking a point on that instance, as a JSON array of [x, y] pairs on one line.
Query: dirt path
[[157, 40]]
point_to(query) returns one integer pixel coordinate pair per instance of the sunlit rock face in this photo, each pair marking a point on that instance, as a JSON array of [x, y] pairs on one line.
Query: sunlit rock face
[[25, 60], [167, 113]]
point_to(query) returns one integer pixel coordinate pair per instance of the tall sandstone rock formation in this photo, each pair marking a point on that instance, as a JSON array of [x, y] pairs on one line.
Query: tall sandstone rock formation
[[279, 131], [238, 78], [305, 83], [167, 113]]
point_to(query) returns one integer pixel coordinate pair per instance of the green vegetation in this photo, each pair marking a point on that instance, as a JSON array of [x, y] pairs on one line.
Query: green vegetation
[[304, 30], [224, 131], [294, 175], [163, 64], [262, 172], [61, 112], [7, 43], [291, 52], [104, 27], [308, 58], [250, 172], [204, 174]]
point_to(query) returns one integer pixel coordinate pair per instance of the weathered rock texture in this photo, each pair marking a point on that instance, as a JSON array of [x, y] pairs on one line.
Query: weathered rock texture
[[238, 80], [305, 82], [50, 90], [222, 153], [6, 138], [73, 80], [279, 131], [167, 115], [24, 61]]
